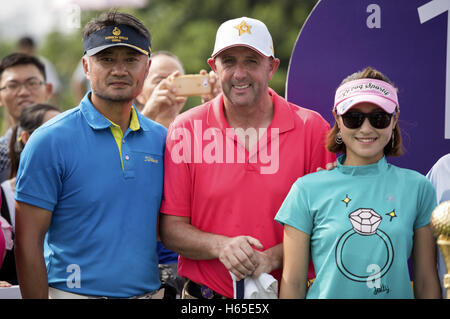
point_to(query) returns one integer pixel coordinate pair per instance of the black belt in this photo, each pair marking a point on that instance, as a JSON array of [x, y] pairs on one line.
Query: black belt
[[202, 291]]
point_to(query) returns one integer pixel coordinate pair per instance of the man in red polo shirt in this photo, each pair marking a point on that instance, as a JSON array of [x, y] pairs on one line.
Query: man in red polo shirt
[[230, 163]]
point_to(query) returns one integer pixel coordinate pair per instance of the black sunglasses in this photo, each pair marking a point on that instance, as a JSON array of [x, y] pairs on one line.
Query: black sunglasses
[[378, 120]]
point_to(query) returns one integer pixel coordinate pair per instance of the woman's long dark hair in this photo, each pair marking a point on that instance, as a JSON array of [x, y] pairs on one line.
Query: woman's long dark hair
[[30, 119]]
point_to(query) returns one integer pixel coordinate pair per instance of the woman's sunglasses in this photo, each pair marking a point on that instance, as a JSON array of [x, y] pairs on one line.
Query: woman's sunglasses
[[378, 120]]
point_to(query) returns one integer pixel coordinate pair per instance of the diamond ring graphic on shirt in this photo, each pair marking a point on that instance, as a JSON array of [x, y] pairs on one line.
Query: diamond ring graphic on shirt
[[364, 232], [365, 221]]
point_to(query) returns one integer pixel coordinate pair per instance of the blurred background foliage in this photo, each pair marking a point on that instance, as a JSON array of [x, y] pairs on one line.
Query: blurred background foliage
[[187, 28]]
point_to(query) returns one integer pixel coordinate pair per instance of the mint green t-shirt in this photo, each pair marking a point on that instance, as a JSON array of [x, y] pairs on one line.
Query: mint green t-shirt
[[361, 222]]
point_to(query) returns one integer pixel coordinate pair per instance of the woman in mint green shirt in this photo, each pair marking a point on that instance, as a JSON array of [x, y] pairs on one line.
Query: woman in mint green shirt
[[361, 221]]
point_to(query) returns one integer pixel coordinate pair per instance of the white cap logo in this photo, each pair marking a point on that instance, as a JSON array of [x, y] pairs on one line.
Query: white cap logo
[[243, 28]]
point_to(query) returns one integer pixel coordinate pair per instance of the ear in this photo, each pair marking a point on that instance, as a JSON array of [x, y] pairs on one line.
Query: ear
[[147, 67], [48, 90], [1, 102], [24, 136], [85, 63], [212, 64], [274, 64]]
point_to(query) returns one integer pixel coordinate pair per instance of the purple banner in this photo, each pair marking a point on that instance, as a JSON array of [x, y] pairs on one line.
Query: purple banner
[[407, 40]]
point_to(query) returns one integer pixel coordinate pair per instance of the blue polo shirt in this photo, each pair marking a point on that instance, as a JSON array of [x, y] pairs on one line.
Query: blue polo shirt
[[105, 201]]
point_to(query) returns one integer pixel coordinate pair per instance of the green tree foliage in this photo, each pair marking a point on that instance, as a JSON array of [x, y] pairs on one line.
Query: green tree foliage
[[187, 28]]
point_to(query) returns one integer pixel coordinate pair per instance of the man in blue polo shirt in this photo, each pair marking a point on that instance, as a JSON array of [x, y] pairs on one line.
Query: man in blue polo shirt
[[92, 180]]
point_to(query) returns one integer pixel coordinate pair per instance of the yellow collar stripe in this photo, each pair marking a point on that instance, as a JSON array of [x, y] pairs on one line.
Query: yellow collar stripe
[[118, 134]]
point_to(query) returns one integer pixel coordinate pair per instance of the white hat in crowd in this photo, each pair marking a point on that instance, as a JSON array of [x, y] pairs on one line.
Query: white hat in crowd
[[244, 31]]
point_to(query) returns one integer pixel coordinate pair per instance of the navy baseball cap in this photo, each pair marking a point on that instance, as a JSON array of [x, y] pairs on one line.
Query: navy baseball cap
[[116, 35]]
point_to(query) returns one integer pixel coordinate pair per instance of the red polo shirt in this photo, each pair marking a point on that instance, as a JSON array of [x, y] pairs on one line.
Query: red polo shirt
[[224, 189]]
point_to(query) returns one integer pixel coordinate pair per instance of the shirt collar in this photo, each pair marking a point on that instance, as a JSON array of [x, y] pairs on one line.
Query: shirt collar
[[97, 121], [283, 117], [362, 170], [134, 122]]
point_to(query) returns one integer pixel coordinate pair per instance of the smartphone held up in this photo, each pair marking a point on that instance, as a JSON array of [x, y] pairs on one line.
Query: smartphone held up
[[192, 85]]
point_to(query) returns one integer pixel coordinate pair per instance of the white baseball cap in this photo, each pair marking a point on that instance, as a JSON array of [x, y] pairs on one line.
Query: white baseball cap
[[246, 32]]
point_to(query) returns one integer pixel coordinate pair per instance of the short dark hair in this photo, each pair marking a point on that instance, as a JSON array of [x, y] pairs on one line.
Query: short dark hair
[[113, 17], [391, 149], [15, 59], [27, 42], [30, 119]]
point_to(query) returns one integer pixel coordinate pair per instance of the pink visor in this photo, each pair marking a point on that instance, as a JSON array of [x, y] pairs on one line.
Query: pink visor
[[373, 91]]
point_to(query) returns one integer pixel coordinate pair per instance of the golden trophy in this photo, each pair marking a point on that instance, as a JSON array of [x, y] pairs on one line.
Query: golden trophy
[[440, 222]]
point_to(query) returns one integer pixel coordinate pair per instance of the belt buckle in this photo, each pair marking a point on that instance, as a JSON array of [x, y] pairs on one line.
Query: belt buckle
[[207, 292]]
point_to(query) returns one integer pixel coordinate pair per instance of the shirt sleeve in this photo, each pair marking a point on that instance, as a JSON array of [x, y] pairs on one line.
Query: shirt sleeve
[[294, 211], [177, 178], [439, 178], [7, 230], [39, 178], [427, 203]]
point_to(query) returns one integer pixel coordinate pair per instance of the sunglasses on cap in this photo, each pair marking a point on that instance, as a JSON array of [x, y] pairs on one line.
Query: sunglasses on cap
[[377, 119]]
